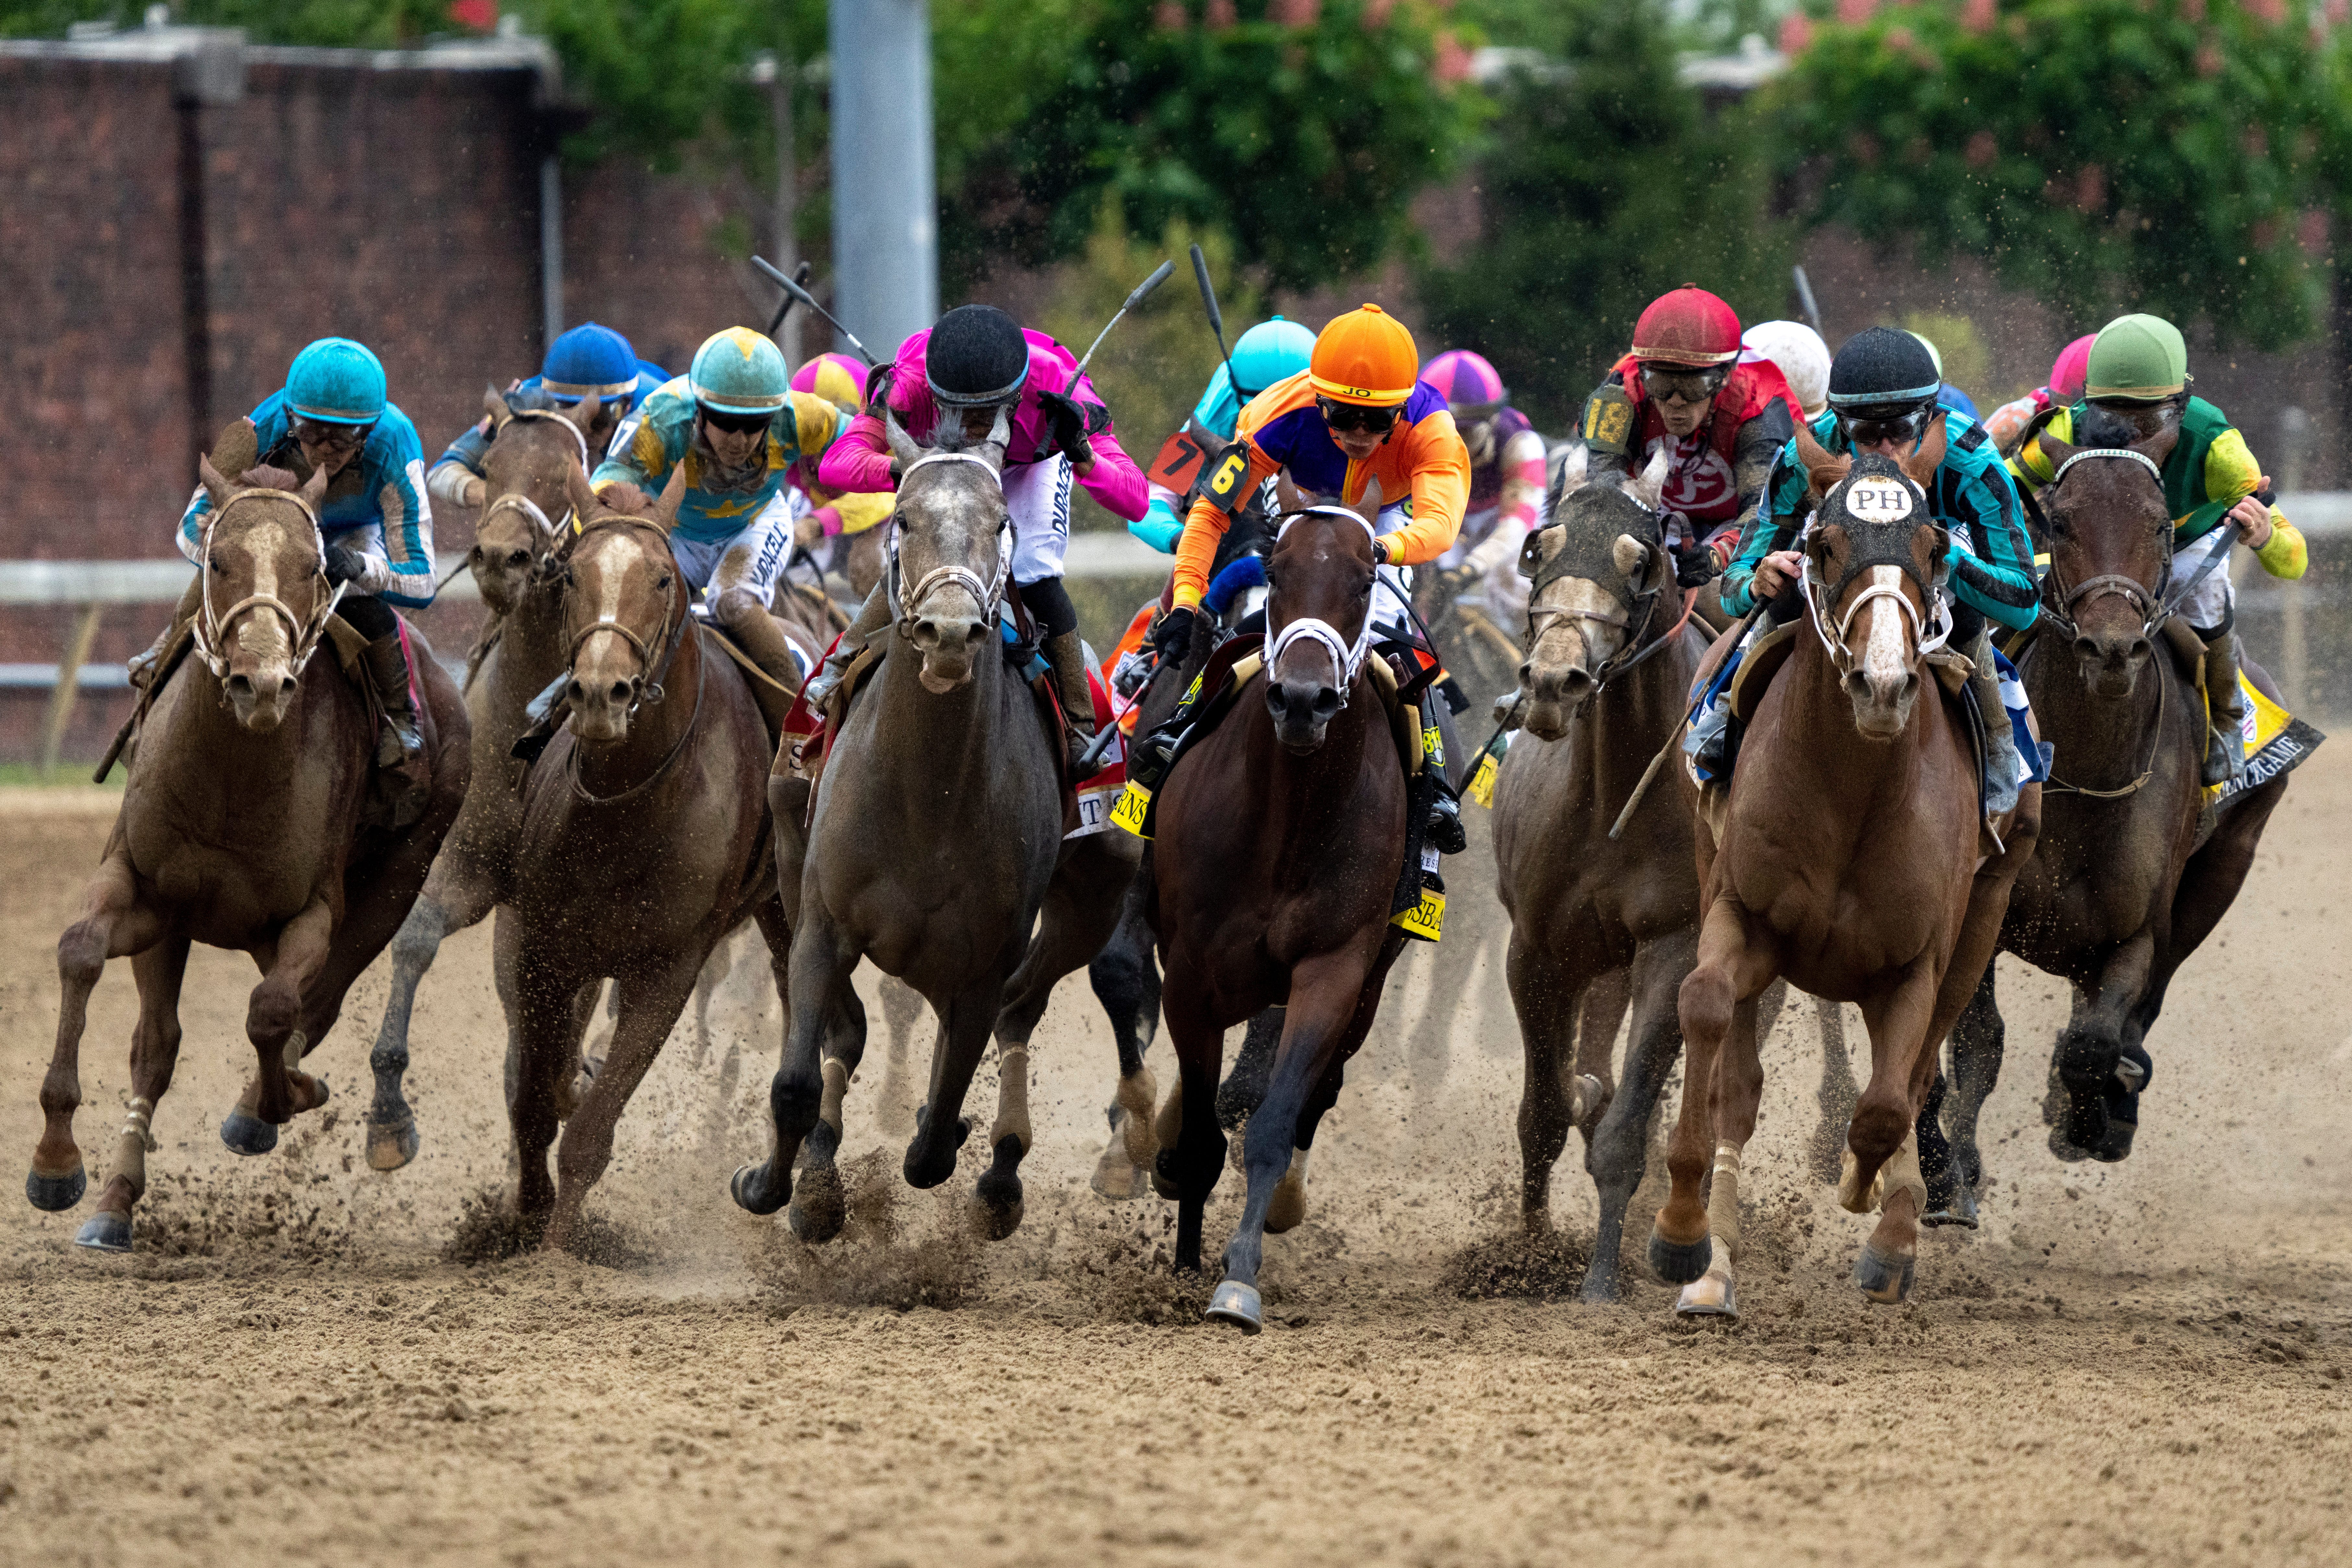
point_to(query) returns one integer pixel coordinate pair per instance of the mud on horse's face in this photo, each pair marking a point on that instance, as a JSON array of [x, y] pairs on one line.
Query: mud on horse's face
[[1592, 566], [264, 592], [1317, 612], [527, 489], [948, 578]]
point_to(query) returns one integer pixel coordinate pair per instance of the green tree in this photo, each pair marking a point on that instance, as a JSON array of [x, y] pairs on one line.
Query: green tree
[[2176, 156], [349, 24], [1606, 183], [1302, 130]]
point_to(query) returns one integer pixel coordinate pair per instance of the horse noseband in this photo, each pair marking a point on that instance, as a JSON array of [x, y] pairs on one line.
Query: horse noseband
[[989, 596]]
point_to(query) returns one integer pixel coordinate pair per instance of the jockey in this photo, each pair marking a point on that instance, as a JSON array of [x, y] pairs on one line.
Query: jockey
[[587, 361], [2006, 424], [1357, 414], [831, 514], [1506, 480], [2136, 383], [736, 424], [1686, 389], [1264, 354], [376, 519], [947, 387], [1882, 392], [1803, 357]]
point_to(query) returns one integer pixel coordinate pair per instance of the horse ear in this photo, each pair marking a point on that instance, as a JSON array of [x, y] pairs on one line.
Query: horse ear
[[2054, 452], [1920, 467], [584, 412], [1000, 436], [663, 514], [495, 405], [315, 491], [1823, 470], [2156, 447], [1285, 494], [1573, 471], [581, 493], [1369, 506], [215, 486], [1648, 486], [903, 446]]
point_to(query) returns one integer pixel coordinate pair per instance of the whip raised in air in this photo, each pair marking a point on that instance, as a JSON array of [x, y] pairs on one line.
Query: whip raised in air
[[797, 292], [1142, 290], [1216, 317]]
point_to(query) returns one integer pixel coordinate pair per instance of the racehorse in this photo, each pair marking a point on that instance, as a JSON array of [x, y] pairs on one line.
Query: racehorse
[[644, 841], [244, 826], [1280, 841], [933, 846], [1849, 861], [2127, 882], [1597, 921], [525, 520]]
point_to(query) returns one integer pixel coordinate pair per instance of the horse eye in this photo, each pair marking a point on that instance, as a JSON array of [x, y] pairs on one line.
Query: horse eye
[[662, 581]]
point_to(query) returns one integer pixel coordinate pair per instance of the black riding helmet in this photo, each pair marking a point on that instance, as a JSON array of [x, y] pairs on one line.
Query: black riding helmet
[[1883, 377], [976, 357]]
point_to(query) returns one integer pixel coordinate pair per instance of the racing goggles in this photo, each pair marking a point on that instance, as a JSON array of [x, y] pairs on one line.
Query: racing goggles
[[739, 423], [1678, 383], [1357, 416], [1872, 427], [330, 436]]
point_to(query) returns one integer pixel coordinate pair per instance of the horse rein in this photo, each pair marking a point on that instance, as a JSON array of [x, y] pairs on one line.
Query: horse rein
[[1633, 651], [989, 594], [1346, 659], [212, 627], [674, 621], [546, 530]]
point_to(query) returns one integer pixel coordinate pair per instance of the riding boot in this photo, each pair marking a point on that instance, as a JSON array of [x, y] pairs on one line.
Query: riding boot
[[1067, 654], [400, 749], [873, 616], [756, 632], [2003, 766], [2225, 746]]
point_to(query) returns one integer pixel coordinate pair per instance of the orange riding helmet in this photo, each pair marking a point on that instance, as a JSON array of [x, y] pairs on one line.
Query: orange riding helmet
[[1364, 357]]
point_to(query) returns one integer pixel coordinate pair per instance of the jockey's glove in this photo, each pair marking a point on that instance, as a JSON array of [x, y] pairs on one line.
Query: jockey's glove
[[345, 564], [1695, 565], [1172, 637], [1067, 421]]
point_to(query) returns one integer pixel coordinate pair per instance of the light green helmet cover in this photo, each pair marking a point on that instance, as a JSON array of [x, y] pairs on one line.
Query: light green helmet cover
[[2136, 359], [738, 371], [1934, 355]]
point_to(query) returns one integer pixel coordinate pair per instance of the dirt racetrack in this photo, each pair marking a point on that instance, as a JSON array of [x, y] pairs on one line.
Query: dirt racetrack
[[2139, 1363]]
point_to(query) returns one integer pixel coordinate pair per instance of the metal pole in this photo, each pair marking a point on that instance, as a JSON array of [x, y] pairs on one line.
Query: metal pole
[[886, 249], [551, 250], [62, 696], [788, 244]]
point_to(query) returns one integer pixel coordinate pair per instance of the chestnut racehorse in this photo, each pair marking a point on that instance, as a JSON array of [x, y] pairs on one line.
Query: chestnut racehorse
[[1850, 862]]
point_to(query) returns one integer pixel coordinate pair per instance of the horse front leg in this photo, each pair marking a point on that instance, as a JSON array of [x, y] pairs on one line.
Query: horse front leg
[[1977, 1041], [273, 1021], [822, 957], [1547, 980], [1737, 1091], [113, 923], [1883, 1149], [2091, 1044], [1326, 992], [1288, 1210], [439, 909], [1733, 965], [1126, 979], [1192, 1144], [650, 1005], [1616, 1150], [154, 1052]]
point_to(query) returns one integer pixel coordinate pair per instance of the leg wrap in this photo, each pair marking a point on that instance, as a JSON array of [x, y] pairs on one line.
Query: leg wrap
[[138, 1142], [1012, 1097], [1723, 1201], [837, 1088]]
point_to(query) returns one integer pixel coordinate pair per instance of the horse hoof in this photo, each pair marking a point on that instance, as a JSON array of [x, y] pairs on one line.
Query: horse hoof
[[745, 1186], [1162, 1181], [1599, 1288], [390, 1144], [993, 1221], [1885, 1277], [1961, 1209], [2116, 1145], [105, 1231], [1116, 1178], [1587, 1098], [55, 1195], [1288, 1207], [1713, 1294], [1680, 1262], [819, 1207], [1238, 1304], [247, 1134]]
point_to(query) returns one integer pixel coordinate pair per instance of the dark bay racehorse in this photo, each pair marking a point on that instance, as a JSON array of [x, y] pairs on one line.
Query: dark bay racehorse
[[934, 847], [644, 841], [1850, 861], [1280, 840], [242, 826], [2123, 888], [525, 519]]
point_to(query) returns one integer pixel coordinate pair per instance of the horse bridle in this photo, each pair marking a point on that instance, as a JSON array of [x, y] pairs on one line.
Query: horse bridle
[[212, 627], [989, 594], [674, 619], [1346, 659], [1819, 601], [2149, 604], [546, 530], [1630, 653]]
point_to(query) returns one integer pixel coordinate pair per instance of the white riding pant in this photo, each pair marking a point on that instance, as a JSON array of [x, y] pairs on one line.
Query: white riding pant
[[1037, 495], [2206, 605], [750, 561]]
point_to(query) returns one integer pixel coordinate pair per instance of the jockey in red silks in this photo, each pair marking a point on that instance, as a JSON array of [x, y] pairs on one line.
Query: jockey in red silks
[[1720, 420], [945, 388]]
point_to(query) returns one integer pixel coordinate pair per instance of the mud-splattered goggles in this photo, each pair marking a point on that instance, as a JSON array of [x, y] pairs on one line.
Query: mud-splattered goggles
[[1357, 416]]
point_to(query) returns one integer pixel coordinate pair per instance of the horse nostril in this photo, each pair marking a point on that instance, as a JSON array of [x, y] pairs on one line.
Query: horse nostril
[[240, 684], [576, 692], [973, 633], [519, 558], [1526, 670], [2139, 653], [620, 692], [285, 686], [926, 630], [1327, 701], [1579, 678], [2086, 648]]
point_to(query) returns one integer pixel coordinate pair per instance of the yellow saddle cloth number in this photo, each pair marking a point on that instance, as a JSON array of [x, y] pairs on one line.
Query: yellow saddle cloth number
[[1426, 920], [1129, 812], [1482, 782]]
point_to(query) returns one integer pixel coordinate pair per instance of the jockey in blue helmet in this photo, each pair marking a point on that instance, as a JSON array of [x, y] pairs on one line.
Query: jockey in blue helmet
[[589, 360], [1269, 351], [376, 519]]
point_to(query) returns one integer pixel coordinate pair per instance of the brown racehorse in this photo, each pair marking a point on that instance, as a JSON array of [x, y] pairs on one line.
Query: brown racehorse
[[935, 848], [1280, 839], [525, 519], [644, 841], [2121, 890], [1849, 863], [242, 826]]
